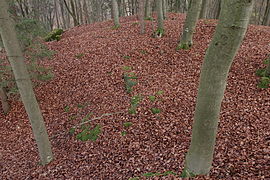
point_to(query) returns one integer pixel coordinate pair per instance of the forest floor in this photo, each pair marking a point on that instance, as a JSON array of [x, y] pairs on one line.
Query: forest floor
[[88, 70]]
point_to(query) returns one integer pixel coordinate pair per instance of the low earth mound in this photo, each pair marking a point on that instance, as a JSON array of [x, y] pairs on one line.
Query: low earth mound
[[88, 70]]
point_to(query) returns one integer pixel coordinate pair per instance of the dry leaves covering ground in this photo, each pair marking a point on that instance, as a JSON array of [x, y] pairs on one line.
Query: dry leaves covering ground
[[154, 143]]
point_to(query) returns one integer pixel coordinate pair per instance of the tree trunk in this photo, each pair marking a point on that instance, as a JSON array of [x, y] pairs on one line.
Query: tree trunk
[[72, 12], [164, 8], [36, 10], [24, 84], [64, 18], [266, 17], [216, 9], [229, 34], [141, 16], [56, 14], [190, 24], [115, 13], [160, 29], [86, 13], [203, 13], [4, 100], [148, 10]]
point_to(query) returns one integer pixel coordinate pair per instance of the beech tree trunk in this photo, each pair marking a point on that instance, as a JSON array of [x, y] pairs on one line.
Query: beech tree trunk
[[229, 34], [141, 16], [160, 29], [24, 84], [148, 9], [266, 17], [164, 8], [216, 9], [190, 24], [4, 100], [115, 13], [203, 13]]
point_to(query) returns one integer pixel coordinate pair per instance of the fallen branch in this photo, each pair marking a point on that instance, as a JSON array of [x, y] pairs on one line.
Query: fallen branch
[[88, 121]]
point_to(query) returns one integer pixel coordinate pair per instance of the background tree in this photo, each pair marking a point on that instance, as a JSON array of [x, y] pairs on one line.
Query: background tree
[[266, 17], [229, 33], [164, 8], [160, 28], [141, 16], [190, 24], [24, 84], [4, 100], [115, 13], [148, 9]]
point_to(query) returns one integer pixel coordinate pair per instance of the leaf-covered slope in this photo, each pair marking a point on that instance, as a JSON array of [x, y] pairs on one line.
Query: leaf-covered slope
[[88, 71]]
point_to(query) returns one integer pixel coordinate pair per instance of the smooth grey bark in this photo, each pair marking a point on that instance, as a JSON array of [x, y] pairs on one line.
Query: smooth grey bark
[[190, 24], [115, 13], [24, 84], [216, 9], [203, 13], [164, 8], [229, 34], [141, 16], [148, 9], [72, 11], [86, 13], [97, 10], [4, 100], [160, 28], [266, 17]]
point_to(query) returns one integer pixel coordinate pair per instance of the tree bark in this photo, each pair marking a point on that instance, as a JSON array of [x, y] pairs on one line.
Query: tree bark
[[164, 8], [115, 13], [190, 24], [141, 16], [203, 13], [72, 12], [216, 9], [160, 29], [229, 34], [4, 100], [266, 17], [148, 9], [24, 84]]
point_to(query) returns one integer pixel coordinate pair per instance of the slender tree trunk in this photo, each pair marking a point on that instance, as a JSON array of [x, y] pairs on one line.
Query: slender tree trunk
[[97, 10], [72, 12], [160, 29], [4, 100], [203, 13], [190, 24], [24, 84], [164, 8], [36, 9], [86, 12], [115, 13], [141, 16], [148, 9], [21, 7], [266, 17], [229, 34], [80, 12], [56, 14], [65, 24]]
